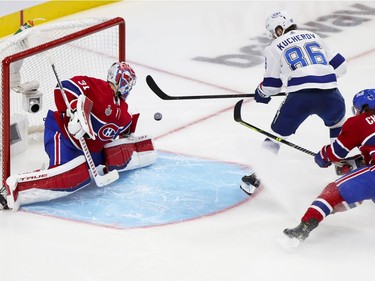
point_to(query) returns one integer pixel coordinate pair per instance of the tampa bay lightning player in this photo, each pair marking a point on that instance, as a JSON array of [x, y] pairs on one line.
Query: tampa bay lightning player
[[302, 63]]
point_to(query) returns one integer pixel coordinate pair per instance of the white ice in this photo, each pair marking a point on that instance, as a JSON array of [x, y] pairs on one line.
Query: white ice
[[246, 242]]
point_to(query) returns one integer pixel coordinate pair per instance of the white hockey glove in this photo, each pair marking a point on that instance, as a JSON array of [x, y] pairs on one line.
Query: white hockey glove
[[80, 124], [74, 126]]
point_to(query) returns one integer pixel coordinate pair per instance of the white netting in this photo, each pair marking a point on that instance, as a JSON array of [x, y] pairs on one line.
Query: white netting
[[91, 55]]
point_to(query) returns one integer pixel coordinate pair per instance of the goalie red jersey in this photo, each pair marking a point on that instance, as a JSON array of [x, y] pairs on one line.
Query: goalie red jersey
[[109, 116], [90, 112]]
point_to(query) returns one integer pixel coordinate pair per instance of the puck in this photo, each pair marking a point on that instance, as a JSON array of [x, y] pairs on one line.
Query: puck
[[158, 116]]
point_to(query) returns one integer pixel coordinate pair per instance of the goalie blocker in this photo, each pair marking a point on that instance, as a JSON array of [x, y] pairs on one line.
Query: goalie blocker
[[123, 154]]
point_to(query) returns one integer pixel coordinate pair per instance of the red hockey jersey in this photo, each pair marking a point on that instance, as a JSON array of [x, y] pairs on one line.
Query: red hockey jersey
[[357, 131], [109, 114]]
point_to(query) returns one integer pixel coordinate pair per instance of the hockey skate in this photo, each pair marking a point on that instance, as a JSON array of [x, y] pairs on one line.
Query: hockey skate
[[271, 146], [250, 183], [302, 231]]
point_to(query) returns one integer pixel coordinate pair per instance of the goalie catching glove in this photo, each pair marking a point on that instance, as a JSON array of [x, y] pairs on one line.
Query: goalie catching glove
[[80, 124], [75, 127]]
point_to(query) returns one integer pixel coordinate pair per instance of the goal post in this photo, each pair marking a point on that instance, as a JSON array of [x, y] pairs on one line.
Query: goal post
[[77, 47]]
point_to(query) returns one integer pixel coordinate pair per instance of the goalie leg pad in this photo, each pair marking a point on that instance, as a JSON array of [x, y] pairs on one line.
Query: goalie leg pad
[[48, 184], [130, 153], [118, 154]]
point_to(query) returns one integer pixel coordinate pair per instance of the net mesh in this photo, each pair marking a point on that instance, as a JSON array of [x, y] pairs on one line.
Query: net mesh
[[89, 55]]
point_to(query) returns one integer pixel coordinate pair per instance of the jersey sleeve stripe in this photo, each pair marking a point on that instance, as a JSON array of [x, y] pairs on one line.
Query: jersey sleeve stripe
[[272, 82], [71, 87]]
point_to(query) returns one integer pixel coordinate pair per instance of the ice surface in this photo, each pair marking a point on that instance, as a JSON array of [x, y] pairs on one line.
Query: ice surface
[[242, 243], [176, 188]]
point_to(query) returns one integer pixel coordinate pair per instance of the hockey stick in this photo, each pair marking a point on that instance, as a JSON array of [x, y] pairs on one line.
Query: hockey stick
[[100, 180], [161, 94], [238, 118]]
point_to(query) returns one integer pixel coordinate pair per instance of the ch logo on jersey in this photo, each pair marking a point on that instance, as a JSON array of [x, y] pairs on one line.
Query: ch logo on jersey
[[108, 132]]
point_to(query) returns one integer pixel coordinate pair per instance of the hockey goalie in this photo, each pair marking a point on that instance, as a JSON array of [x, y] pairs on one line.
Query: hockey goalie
[[90, 135]]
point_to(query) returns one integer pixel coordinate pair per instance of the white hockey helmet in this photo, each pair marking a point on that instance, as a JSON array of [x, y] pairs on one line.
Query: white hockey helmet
[[123, 77], [280, 18]]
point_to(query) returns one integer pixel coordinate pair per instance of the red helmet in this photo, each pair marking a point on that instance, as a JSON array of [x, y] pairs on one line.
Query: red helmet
[[123, 77]]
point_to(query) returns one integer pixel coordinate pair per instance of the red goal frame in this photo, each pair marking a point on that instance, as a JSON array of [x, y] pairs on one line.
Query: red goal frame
[[6, 62]]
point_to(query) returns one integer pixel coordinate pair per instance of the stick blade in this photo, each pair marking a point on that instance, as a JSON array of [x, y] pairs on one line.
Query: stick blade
[[102, 180], [155, 88], [237, 111]]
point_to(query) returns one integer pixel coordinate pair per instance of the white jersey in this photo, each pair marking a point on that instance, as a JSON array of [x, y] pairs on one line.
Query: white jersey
[[301, 60]]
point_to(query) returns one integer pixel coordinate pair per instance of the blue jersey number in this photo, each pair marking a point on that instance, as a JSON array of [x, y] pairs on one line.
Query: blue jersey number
[[302, 56]]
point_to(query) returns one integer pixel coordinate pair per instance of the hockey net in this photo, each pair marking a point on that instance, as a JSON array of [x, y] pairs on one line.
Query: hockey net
[[76, 47]]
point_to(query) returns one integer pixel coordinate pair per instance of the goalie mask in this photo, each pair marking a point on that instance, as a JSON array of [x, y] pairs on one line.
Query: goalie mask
[[362, 99], [281, 18], [123, 77]]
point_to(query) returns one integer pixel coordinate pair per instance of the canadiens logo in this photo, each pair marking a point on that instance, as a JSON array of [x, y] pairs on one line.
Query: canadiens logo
[[108, 132], [108, 110]]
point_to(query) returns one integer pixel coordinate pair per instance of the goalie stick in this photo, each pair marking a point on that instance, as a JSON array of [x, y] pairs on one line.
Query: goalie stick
[[161, 94], [238, 118], [100, 180]]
